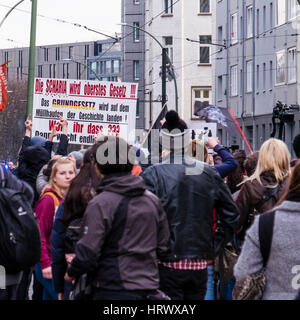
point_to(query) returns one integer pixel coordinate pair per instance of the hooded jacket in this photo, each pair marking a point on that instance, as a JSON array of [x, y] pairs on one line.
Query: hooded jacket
[[125, 230]]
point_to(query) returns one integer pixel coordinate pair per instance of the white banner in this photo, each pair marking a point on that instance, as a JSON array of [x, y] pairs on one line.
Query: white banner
[[88, 106]]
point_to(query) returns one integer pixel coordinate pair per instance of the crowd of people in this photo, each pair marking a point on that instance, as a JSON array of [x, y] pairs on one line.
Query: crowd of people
[[118, 230]]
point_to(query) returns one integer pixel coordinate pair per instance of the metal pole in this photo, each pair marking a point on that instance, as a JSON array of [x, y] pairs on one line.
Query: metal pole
[[164, 77], [228, 63], [167, 58], [31, 68], [253, 78]]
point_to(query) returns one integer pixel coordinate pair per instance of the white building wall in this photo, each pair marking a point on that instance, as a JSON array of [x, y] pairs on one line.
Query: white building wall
[[184, 22]]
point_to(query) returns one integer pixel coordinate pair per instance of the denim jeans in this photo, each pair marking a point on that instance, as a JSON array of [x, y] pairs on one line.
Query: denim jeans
[[48, 284], [210, 292]]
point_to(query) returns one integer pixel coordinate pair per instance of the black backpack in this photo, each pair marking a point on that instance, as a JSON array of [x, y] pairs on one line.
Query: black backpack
[[20, 243], [72, 235]]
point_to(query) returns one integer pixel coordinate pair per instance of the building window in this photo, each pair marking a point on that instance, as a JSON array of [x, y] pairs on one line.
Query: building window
[[137, 108], [200, 95], [271, 74], [220, 35], [281, 12], [78, 70], [265, 18], [115, 66], [264, 76], [292, 65], [205, 49], [136, 1], [46, 51], [292, 9], [220, 88], [40, 71], [71, 52], [20, 58], [257, 22], [86, 51], [54, 71], [168, 6], [136, 32], [136, 71], [280, 67], [271, 16], [257, 77], [249, 70], [168, 41], [107, 66], [249, 22], [233, 81], [234, 28], [50, 70], [204, 6], [66, 71], [57, 53]]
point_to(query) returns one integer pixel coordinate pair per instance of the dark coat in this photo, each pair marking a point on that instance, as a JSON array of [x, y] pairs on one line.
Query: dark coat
[[58, 261], [189, 200], [125, 231], [252, 193]]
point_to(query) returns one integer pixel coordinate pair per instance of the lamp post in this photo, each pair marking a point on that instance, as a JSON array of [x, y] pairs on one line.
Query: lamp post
[[31, 68], [165, 59], [86, 65]]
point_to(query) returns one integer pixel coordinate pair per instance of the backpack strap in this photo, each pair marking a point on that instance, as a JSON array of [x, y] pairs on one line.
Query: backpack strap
[[2, 177], [268, 194], [265, 231], [54, 197]]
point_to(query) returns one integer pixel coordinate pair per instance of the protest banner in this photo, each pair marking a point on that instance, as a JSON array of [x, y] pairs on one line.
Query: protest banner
[[90, 107]]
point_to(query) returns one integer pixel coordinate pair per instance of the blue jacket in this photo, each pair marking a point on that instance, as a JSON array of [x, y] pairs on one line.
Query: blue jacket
[[229, 163], [58, 263]]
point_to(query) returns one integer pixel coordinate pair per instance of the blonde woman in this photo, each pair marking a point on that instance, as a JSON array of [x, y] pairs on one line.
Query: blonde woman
[[63, 171], [265, 187]]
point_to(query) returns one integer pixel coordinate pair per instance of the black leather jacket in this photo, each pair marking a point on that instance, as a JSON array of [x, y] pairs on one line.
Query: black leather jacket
[[189, 201]]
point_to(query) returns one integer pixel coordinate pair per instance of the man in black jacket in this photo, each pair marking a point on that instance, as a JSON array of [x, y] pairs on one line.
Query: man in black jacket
[[190, 191]]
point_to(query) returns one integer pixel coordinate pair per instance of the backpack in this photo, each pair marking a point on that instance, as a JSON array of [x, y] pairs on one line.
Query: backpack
[[20, 243], [72, 235]]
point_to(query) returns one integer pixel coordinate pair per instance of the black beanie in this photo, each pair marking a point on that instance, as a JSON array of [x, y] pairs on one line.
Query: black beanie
[[296, 145], [174, 122]]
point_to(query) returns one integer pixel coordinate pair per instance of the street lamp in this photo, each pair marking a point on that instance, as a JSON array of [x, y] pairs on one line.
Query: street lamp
[[10, 12], [165, 58], [86, 65]]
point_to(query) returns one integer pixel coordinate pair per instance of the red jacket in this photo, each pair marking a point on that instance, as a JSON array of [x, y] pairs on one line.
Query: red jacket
[[45, 212]]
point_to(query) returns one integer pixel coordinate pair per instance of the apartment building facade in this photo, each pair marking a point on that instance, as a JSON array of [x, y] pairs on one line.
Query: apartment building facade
[[67, 61], [133, 51], [258, 66], [172, 23]]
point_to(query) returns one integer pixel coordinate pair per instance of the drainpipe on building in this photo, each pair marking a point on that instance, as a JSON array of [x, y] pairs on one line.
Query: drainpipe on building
[[243, 69], [227, 60], [253, 80]]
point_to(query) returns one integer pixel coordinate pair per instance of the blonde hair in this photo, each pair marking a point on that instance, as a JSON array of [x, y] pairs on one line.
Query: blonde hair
[[52, 184], [198, 150], [273, 156]]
